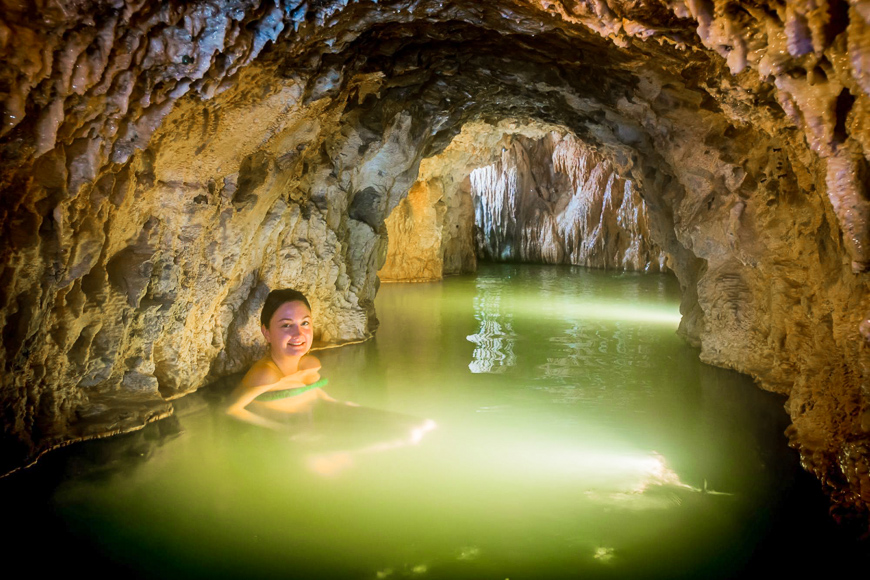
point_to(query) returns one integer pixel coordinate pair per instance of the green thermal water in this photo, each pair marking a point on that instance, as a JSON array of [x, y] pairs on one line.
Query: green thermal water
[[577, 437]]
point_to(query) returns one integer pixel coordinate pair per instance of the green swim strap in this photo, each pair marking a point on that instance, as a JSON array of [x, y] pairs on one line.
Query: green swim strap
[[285, 393]]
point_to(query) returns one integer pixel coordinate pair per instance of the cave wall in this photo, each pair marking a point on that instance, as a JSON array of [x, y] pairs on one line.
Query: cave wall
[[431, 232], [161, 165], [414, 234], [170, 258], [517, 192], [554, 201]]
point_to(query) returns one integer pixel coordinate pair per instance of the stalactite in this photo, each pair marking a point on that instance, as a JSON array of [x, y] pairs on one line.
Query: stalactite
[[555, 201]]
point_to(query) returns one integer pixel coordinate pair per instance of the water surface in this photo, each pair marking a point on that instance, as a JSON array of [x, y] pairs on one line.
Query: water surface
[[577, 437]]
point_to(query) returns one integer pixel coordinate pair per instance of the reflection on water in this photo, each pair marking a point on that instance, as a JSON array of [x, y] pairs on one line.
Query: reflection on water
[[495, 339], [576, 436]]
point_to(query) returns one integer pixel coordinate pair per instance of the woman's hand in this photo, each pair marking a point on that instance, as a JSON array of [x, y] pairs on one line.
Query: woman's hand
[[297, 380], [260, 379]]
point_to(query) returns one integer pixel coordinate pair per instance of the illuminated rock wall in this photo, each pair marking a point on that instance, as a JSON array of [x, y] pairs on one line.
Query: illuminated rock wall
[[553, 201], [431, 232], [414, 231]]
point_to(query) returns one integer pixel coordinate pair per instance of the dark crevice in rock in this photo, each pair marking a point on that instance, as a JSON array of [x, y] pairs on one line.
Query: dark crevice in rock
[[845, 101], [252, 174]]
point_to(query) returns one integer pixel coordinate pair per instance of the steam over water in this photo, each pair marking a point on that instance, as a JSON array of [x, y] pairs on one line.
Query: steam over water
[[576, 436]]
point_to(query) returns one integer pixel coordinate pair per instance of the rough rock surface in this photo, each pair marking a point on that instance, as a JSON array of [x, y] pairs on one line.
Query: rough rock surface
[[161, 164], [431, 232], [414, 231], [553, 201], [526, 192]]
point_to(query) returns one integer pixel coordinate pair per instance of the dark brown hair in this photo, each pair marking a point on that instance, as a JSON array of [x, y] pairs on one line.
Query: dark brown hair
[[278, 297]]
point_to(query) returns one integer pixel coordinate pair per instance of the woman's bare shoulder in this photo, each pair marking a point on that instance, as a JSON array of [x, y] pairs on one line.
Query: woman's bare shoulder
[[309, 362], [263, 372]]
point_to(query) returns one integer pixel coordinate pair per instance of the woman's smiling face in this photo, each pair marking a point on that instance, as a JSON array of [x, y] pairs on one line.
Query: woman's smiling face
[[290, 330]]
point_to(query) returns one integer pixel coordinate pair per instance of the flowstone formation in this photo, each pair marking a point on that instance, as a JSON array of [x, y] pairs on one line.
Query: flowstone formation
[[517, 192], [430, 233], [553, 201], [163, 164]]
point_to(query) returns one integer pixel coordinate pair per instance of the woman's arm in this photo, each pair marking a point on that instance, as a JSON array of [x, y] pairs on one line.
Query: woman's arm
[[262, 378], [258, 380]]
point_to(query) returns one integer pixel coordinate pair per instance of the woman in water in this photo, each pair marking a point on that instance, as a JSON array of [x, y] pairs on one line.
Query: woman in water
[[286, 380]]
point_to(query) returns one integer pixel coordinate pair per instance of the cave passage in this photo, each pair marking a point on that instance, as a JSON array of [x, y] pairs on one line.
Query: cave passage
[[577, 436], [163, 165], [518, 192]]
